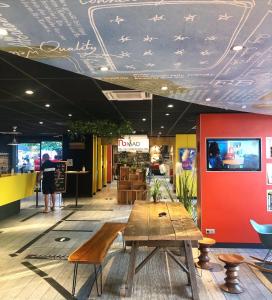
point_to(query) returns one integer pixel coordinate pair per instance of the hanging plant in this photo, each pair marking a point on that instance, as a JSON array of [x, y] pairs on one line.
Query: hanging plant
[[101, 128]]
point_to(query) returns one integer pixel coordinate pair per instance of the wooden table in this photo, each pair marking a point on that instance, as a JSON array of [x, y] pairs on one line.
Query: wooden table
[[161, 225]]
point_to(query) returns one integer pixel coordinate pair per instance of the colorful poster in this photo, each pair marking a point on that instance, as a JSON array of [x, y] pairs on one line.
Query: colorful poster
[[187, 158]]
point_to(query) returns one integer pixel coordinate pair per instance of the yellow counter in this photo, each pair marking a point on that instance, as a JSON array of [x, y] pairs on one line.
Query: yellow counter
[[16, 187]]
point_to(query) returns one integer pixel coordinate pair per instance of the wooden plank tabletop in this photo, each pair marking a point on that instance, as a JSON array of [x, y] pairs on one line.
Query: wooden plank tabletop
[[163, 221]]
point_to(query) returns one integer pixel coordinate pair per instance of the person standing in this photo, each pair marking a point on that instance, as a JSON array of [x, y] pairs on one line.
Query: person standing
[[48, 170]]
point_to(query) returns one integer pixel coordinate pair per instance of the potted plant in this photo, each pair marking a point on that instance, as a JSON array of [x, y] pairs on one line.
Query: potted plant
[[155, 190], [185, 190]]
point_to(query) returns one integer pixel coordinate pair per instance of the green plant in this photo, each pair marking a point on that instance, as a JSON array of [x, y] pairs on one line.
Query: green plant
[[155, 190], [101, 128], [185, 190], [167, 188]]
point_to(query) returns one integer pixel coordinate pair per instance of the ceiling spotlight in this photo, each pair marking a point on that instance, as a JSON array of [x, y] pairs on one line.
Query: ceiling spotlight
[[70, 115], [167, 114], [41, 122], [3, 32], [162, 127], [208, 99], [237, 48], [68, 130], [29, 92], [143, 119], [164, 88], [170, 105], [159, 132], [47, 105], [244, 106], [134, 131], [104, 69]]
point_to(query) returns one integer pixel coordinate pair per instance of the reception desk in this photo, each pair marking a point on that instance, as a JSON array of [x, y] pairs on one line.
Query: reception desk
[[13, 188]]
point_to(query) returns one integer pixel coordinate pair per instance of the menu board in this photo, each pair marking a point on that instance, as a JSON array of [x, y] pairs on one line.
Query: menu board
[[60, 180], [4, 162]]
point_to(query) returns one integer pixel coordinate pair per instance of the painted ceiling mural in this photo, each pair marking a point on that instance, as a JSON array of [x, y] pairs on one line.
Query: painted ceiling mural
[[185, 45]]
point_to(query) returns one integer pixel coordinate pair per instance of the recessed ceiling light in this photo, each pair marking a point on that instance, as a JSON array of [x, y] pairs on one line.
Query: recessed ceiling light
[[70, 115], [29, 92], [104, 69], [164, 88], [170, 105], [237, 48], [244, 106], [167, 114], [68, 130], [208, 99], [41, 122], [162, 127], [47, 105], [3, 32], [143, 119]]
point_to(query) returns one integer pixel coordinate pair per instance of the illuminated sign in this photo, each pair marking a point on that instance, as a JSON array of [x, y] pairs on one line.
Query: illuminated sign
[[133, 143]]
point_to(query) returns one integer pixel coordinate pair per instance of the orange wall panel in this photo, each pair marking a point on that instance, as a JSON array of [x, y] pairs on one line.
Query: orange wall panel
[[228, 200], [109, 163]]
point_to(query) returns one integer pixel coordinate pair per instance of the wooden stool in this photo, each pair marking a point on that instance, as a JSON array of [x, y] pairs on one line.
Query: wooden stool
[[203, 247], [232, 283]]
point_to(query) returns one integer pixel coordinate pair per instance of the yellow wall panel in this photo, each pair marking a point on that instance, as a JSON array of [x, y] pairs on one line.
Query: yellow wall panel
[[16, 187]]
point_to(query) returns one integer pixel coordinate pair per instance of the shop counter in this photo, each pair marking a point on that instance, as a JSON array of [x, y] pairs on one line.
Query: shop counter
[[13, 188]]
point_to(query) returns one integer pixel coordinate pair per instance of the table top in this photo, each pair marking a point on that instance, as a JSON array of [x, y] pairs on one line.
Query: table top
[[77, 172], [148, 223]]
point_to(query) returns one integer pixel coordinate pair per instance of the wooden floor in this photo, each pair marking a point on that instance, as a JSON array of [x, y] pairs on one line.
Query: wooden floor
[[33, 265]]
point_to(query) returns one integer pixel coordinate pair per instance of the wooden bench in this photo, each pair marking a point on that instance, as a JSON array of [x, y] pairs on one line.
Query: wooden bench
[[94, 251]]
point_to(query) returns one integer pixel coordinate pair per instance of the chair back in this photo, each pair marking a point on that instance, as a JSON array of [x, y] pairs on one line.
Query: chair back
[[264, 232]]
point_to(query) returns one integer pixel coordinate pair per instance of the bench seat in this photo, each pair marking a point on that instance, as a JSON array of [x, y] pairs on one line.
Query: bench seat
[[95, 249]]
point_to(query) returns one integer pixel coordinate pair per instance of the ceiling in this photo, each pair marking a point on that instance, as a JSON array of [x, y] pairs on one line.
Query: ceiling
[[184, 45], [72, 93]]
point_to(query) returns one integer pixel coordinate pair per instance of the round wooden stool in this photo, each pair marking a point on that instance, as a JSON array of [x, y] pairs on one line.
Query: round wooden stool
[[204, 248], [232, 283]]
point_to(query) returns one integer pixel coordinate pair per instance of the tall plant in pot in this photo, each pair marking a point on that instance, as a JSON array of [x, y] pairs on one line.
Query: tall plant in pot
[[185, 190], [155, 190]]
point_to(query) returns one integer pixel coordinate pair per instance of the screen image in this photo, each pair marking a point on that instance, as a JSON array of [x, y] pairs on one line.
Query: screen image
[[232, 154], [187, 158]]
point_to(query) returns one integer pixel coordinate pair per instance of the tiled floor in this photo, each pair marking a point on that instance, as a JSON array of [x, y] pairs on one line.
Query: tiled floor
[[33, 264]]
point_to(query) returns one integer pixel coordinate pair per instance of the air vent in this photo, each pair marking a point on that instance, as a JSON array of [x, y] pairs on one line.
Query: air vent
[[127, 95]]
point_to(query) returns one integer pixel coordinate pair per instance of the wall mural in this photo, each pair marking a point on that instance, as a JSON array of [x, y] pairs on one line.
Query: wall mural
[[186, 45]]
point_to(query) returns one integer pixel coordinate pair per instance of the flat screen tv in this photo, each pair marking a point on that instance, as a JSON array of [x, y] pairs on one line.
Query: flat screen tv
[[233, 154]]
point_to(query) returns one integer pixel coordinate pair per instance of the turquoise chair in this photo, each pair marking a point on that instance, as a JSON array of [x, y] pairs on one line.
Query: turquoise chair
[[265, 234]]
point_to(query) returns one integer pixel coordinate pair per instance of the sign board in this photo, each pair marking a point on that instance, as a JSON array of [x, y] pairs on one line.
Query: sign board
[[61, 180], [133, 143]]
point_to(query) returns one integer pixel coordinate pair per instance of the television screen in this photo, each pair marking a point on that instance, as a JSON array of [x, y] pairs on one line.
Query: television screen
[[234, 154]]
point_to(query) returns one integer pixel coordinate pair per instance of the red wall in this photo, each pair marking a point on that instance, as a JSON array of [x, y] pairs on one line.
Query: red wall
[[109, 163], [228, 200]]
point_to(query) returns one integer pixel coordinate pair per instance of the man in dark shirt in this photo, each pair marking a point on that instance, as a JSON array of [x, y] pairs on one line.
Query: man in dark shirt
[[48, 170]]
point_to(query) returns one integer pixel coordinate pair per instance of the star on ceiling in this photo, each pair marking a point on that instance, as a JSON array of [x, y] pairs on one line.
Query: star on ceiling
[[149, 39], [180, 38], [224, 17], [178, 64], [124, 39], [150, 65], [124, 54], [180, 52], [117, 20], [205, 52], [148, 52], [211, 38], [190, 18], [130, 67], [157, 18]]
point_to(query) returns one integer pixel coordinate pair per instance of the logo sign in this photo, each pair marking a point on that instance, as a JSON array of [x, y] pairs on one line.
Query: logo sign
[[133, 143]]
